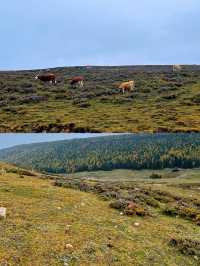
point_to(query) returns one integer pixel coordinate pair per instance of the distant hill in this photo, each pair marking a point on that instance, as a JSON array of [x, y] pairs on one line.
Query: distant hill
[[163, 100], [144, 151]]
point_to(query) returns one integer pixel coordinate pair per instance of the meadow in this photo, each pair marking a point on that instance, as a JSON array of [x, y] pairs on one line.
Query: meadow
[[84, 220], [163, 101]]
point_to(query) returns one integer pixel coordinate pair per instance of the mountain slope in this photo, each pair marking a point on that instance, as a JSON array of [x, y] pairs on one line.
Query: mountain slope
[[163, 101], [145, 151], [42, 220]]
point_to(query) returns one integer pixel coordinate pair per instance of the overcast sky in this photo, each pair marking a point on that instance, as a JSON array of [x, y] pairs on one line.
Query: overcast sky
[[39, 34], [9, 140]]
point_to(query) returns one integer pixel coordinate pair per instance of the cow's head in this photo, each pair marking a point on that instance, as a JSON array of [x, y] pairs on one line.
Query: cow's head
[[36, 77]]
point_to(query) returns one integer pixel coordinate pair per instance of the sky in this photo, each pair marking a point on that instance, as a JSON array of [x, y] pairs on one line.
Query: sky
[[43, 34], [12, 139]]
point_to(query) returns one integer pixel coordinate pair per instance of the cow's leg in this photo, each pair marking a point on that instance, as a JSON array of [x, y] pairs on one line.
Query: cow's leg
[[50, 81], [123, 90], [81, 84]]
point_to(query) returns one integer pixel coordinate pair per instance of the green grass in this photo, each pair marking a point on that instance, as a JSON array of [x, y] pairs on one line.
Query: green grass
[[161, 102], [168, 175], [34, 232]]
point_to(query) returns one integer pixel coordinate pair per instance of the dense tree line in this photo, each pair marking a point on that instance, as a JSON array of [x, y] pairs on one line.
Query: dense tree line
[[131, 151]]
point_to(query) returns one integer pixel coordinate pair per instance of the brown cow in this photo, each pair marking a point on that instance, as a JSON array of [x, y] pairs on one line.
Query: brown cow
[[127, 86], [47, 78], [79, 80]]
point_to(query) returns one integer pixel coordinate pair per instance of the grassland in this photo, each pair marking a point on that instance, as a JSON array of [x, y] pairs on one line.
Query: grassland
[[161, 102], [35, 231]]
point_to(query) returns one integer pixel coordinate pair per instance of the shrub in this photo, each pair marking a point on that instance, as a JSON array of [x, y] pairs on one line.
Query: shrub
[[20, 172], [152, 202], [171, 211], [188, 247], [120, 204], [134, 209], [32, 99], [196, 98], [155, 176]]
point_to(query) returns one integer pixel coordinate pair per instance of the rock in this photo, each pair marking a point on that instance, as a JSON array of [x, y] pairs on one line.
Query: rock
[[136, 224], [67, 228], [2, 212], [69, 247]]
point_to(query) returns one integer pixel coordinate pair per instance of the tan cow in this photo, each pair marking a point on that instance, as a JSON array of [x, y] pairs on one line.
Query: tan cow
[[177, 68], [127, 86]]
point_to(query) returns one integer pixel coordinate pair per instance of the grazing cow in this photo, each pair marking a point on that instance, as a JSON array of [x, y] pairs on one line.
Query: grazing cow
[[77, 81], [47, 78], [127, 86]]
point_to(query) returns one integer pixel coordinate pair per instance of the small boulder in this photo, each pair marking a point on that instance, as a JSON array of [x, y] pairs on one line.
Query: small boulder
[[136, 224], [2, 212], [69, 247], [67, 228]]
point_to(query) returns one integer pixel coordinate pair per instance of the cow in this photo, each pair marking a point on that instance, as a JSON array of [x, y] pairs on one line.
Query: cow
[[177, 68], [127, 86], [79, 80], [47, 78]]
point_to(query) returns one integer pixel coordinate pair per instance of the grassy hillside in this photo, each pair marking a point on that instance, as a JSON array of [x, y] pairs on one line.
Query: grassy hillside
[[132, 151], [162, 102], [42, 219]]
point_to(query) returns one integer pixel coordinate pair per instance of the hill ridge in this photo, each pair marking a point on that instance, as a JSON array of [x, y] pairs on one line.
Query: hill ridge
[[131, 151]]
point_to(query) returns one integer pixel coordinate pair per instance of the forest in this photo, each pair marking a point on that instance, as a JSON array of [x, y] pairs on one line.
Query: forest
[[126, 151]]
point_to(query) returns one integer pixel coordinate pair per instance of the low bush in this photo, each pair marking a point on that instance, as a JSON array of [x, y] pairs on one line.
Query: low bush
[[196, 98], [186, 246], [155, 176], [20, 172], [120, 204]]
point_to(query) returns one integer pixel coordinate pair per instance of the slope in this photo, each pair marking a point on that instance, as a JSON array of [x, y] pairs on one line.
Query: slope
[[36, 230], [163, 101]]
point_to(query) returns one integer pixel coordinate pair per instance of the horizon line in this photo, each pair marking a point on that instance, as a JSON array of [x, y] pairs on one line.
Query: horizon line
[[90, 66]]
